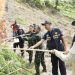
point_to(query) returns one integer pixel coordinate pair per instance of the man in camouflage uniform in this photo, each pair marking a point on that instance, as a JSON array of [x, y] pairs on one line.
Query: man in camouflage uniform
[[39, 56]]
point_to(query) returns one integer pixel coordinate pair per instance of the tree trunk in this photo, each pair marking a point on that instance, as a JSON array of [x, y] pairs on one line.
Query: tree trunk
[[56, 4], [2, 8]]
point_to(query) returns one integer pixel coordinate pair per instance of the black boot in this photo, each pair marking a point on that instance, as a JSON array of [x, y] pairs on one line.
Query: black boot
[[44, 70], [14, 50], [22, 53], [37, 73], [30, 62]]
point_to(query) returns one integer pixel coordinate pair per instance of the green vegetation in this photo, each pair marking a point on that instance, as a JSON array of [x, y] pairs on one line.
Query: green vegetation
[[66, 8], [11, 64], [21, 20]]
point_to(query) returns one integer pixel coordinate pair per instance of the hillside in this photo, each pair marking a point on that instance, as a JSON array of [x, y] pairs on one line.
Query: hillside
[[26, 15]]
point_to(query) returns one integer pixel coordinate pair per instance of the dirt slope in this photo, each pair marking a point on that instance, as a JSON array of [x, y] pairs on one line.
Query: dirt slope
[[2, 8], [26, 15]]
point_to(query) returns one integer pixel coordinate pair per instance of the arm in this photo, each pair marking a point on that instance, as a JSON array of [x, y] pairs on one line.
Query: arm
[[37, 44], [63, 40], [65, 46], [40, 42]]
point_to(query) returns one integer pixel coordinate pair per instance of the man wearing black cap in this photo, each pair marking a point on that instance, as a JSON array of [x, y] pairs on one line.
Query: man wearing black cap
[[56, 41], [73, 24]]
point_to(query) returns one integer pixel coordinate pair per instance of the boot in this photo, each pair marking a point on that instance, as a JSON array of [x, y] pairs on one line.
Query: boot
[[37, 73], [22, 53], [44, 70]]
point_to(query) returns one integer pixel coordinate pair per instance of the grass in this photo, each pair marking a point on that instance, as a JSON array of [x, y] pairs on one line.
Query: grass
[[69, 14], [21, 20], [10, 63], [67, 10]]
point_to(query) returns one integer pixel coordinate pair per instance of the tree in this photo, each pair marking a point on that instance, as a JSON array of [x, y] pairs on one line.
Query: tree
[[56, 4]]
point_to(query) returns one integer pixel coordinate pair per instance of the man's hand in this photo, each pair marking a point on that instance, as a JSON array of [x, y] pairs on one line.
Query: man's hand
[[37, 44], [52, 52], [66, 52], [32, 47]]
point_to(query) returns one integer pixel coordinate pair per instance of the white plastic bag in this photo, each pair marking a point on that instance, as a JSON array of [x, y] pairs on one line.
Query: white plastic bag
[[63, 57], [66, 57], [72, 50], [16, 40]]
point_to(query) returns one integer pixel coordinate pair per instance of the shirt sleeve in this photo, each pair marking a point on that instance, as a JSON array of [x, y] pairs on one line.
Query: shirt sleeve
[[44, 37], [60, 32]]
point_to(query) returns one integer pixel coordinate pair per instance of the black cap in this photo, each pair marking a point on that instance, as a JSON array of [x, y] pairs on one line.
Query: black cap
[[31, 26], [34, 25], [37, 27], [73, 23], [46, 22]]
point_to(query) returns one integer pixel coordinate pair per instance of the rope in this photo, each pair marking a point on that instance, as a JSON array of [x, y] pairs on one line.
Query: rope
[[27, 70], [31, 49], [11, 38]]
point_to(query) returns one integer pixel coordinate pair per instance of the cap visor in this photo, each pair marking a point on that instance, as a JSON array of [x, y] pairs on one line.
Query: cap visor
[[43, 24], [73, 23]]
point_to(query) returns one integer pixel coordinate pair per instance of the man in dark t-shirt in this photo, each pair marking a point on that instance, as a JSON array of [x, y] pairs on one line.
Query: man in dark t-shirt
[[73, 24], [55, 40]]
